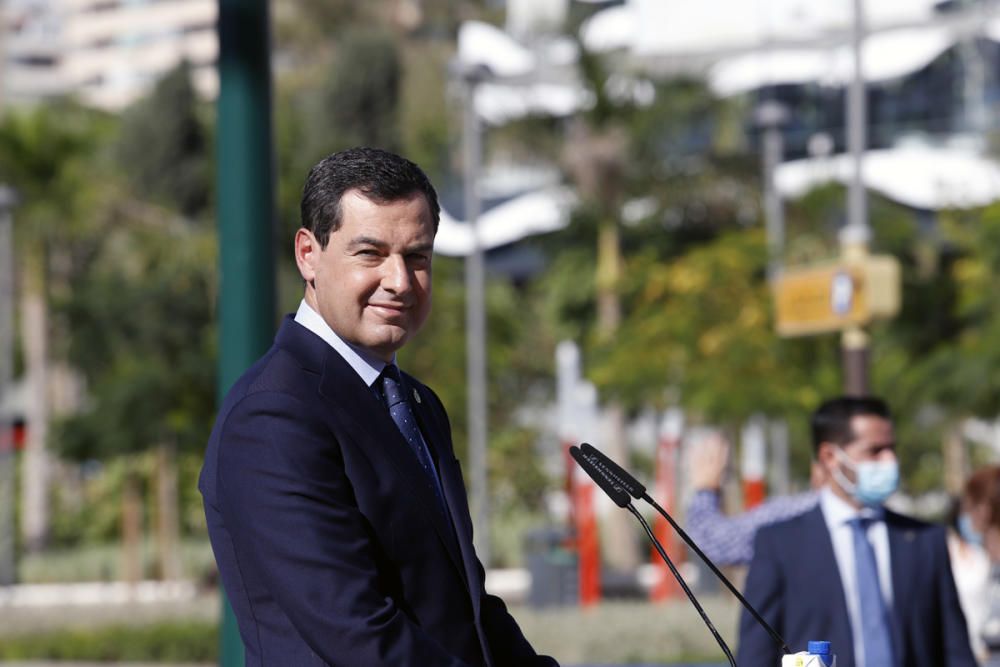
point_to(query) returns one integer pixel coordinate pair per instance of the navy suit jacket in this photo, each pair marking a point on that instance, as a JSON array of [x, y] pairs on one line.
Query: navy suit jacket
[[795, 584], [331, 544]]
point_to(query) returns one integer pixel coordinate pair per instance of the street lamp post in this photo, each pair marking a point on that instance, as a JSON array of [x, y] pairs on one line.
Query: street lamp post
[[475, 313], [856, 234], [8, 561], [770, 116]]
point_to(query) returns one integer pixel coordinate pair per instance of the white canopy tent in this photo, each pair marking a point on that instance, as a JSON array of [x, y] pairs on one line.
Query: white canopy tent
[[886, 55], [498, 103], [681, 27], [482, 44], [919, 176], [766, 42], [536, 212], [521, 81]]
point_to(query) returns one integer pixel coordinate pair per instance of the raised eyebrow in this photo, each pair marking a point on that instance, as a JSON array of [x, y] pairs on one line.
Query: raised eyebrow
[[367, 241], [422, 247]]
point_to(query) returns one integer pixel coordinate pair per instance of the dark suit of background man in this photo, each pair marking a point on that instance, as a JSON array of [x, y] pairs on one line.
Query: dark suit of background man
[[335, 505], [876, 584]]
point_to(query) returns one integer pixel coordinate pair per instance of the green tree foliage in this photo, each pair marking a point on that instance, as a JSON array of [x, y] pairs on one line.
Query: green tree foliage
[[701, 325], [961, 364], [143, 334], [52, 155], [359, 100], [937, 360], [164, 147], [519, 365], [346, 96]]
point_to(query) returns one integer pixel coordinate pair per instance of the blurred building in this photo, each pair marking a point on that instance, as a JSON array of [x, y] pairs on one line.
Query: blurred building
[[105, 52], [929, 66]]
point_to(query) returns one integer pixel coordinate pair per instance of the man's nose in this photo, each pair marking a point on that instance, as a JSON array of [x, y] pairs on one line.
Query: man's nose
[[396, 276], [887, 455]]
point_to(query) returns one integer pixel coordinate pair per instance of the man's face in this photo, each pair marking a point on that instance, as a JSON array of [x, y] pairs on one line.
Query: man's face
[[372, 282], [874, 440]]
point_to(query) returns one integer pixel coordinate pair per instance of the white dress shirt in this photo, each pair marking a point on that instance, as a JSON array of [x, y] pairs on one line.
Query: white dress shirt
[[838, 514], [365, 364]]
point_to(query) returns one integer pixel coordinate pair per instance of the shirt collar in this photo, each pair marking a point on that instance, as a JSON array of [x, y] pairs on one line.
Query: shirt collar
[[365, 364], [838, 511]]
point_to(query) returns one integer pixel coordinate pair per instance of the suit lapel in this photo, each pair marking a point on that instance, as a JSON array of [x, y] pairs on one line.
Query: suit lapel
[[903, 566], [436, 431], [454, 488], [368, 422]]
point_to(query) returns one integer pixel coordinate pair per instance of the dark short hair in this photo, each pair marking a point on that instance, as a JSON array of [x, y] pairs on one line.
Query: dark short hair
[[983, 488], [831, 421], [379, 175], [983, 485]]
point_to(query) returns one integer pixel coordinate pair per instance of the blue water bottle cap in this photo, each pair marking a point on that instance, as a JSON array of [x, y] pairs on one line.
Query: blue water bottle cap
[[819, 648]]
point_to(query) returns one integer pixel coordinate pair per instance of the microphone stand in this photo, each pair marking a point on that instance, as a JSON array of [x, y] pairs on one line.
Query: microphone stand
[[732, 589], [680, 580], [631, 487], [618, 493]]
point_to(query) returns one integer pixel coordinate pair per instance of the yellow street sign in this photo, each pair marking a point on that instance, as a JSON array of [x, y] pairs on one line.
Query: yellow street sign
[[832, 297]]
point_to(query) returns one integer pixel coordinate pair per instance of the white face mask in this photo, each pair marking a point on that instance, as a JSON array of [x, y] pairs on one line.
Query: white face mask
[[877, 480]]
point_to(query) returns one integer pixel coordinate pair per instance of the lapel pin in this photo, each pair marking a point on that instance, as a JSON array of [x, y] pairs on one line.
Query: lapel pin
[[416, 396]]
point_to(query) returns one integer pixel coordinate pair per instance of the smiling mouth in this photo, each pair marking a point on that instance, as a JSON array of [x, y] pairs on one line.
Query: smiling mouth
[[390, 309]]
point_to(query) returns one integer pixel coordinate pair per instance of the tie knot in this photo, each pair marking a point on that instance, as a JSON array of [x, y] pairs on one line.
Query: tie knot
[[863, 522], [392, 385]]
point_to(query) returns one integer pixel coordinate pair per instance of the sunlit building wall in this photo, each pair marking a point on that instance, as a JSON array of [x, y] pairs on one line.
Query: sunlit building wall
[[105, 52]]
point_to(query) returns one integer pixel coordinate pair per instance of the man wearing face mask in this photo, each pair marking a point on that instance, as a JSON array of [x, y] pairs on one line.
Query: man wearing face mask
[[874, 583]]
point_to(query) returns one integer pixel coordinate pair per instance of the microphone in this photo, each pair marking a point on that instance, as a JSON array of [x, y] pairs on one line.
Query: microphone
[[612, 485], [631, 486], [592, 466]]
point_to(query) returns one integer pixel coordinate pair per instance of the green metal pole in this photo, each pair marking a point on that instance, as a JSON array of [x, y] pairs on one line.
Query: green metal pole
[[245, 208]]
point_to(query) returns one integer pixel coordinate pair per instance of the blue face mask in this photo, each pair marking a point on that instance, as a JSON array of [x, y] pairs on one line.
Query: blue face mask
[[969, 534], [877, 480]]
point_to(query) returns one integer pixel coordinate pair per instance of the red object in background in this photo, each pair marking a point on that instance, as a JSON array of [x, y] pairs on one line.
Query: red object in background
[[753, 466], [584, 522], [588, 545], [664, 491], [19, 433], [754, 492]]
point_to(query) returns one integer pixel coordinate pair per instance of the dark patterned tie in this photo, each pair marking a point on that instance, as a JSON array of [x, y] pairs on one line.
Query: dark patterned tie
[[406, 422], [876, 631]]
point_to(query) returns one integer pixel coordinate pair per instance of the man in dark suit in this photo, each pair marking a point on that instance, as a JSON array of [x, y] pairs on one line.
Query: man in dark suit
[[335, 504], [876, 584]]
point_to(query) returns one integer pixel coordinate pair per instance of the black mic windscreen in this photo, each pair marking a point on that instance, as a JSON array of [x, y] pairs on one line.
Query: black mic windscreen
[[590, 465], [615, 471]]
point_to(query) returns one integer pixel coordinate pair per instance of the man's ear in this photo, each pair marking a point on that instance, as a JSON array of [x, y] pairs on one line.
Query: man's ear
[[307, 251], [826, 456]]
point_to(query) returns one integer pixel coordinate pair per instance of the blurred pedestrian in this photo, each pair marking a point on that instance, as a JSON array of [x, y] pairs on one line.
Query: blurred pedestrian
[[728, 539], [980, 524], [876, 584], [971, 569]]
